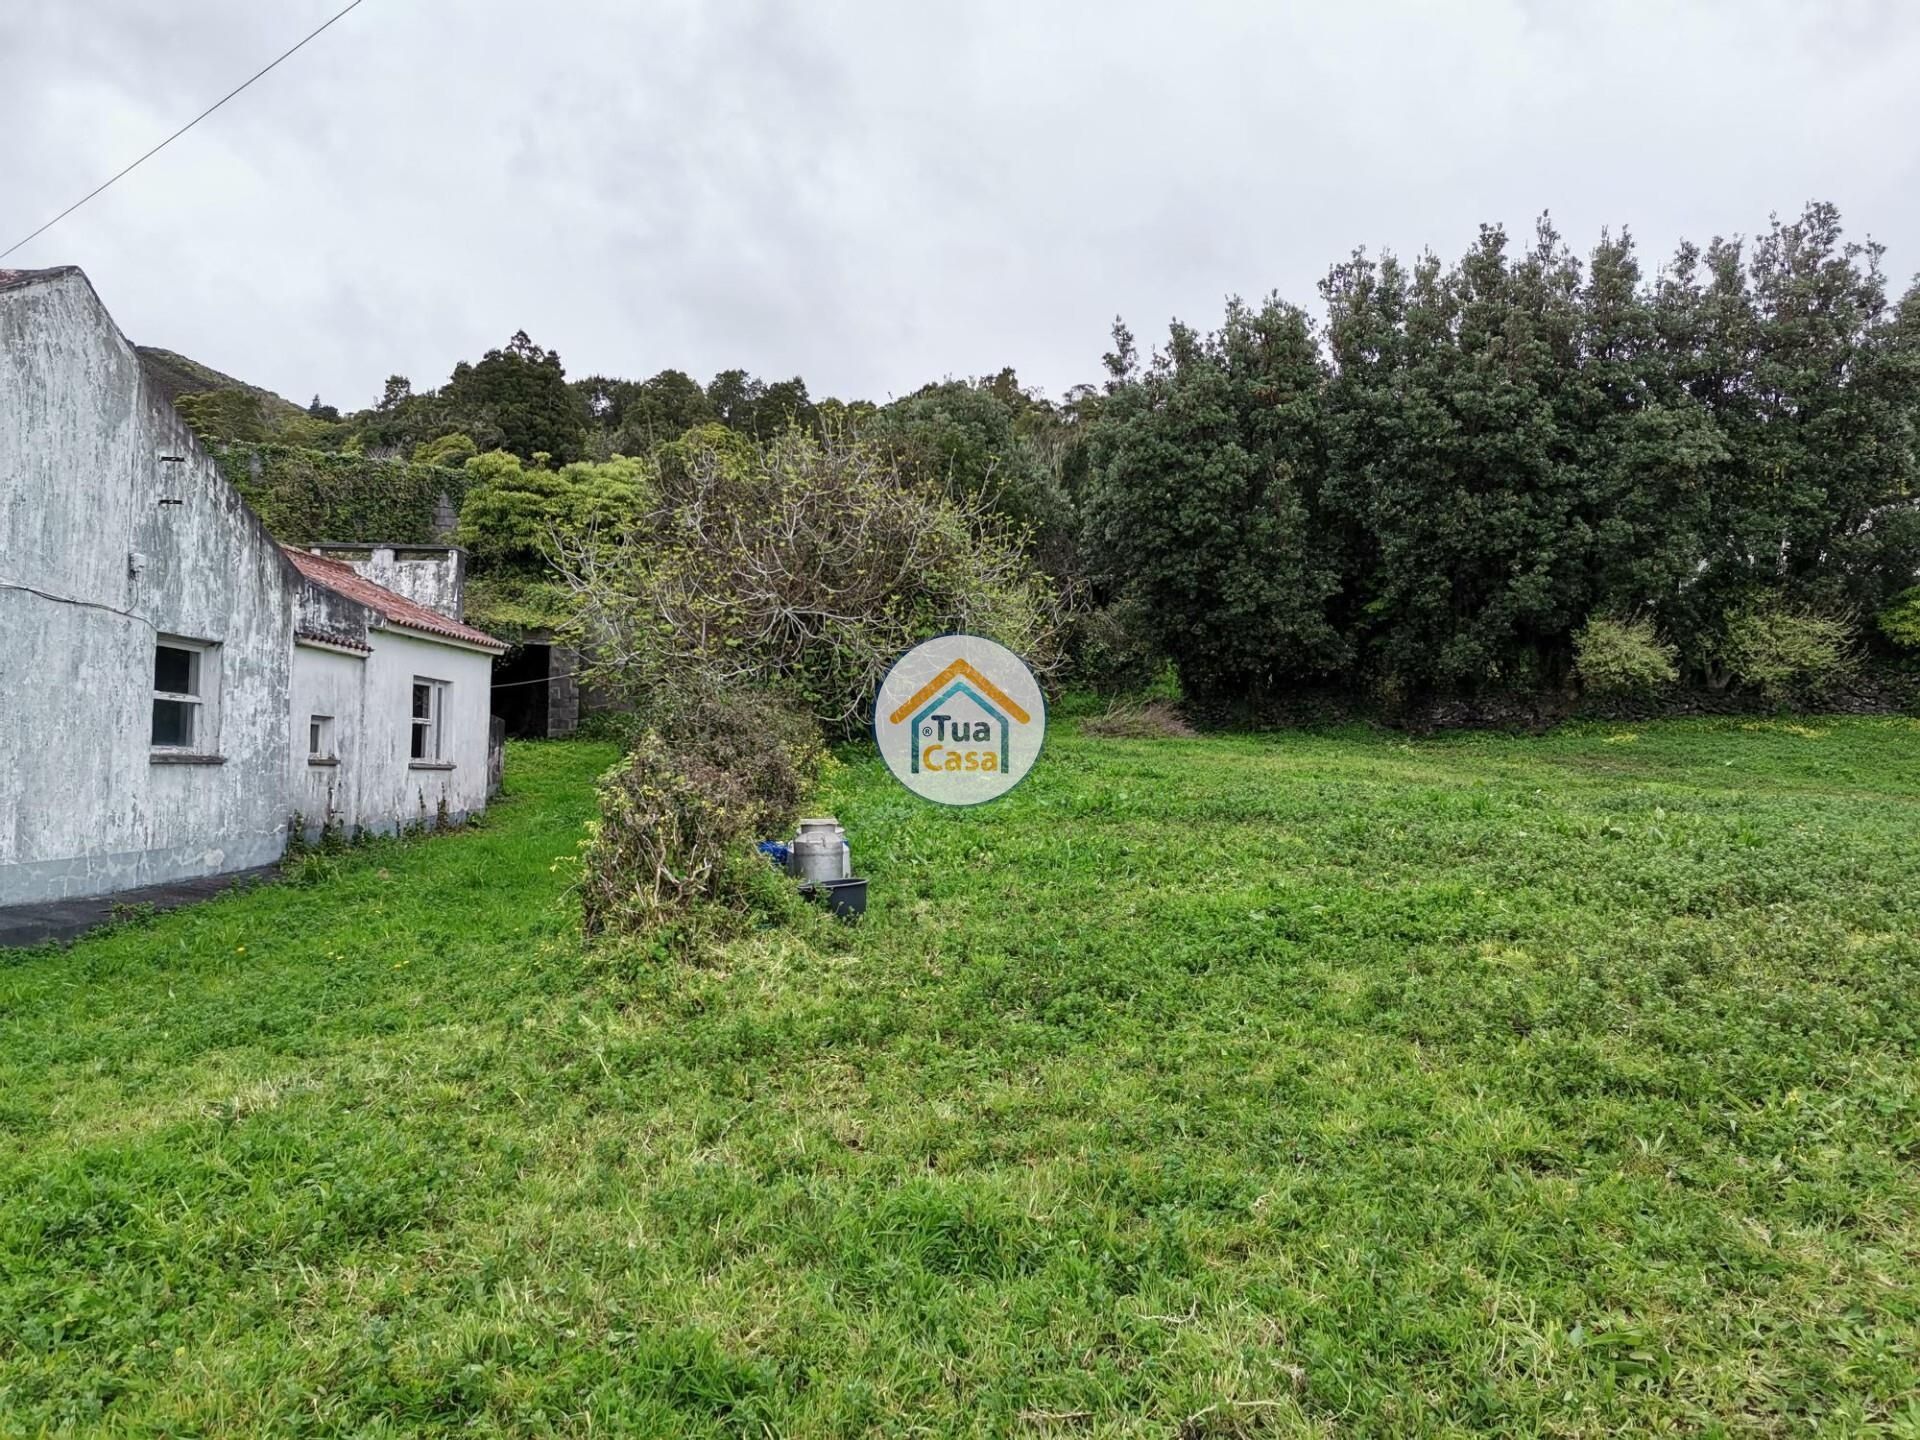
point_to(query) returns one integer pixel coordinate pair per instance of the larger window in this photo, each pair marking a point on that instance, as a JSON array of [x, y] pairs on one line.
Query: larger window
[[429, 709], [184, 674]]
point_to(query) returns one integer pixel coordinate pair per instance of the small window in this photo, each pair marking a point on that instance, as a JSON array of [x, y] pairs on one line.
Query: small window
[[429, 705], [319, 737], [179, 696]]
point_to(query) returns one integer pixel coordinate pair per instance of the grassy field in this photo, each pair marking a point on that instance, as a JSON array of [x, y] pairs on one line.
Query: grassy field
[[1233, 1086]]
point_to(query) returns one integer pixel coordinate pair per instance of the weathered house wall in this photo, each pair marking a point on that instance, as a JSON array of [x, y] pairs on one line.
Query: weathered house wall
[[116, 529], [117, 532], [326, 788], [395, 790], [430, 575]]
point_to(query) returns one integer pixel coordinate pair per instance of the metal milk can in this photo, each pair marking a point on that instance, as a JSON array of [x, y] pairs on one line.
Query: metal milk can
[[820, 852]]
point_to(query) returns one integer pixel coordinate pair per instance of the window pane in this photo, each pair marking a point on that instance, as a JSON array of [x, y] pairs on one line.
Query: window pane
[[173, 722], [420, 741], [313, 737], [422, 701], [173, 670]]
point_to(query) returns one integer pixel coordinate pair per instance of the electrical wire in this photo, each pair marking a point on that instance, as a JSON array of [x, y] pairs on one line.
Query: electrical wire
[[81, 604], [543, 680], [170, 139]]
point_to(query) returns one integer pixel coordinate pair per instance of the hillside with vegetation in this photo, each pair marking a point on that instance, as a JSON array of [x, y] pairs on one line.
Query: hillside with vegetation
[[176, 376]]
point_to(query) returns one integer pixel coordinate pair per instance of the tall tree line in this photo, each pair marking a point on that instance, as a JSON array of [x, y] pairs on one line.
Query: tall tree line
[[1437, 484]]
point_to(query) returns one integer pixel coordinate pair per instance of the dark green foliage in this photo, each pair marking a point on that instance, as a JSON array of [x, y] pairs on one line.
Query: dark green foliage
[[1503, 448], [636, 416], [305, 495], [1113, 649], [975, 440], [1453, 450], [1207, 513], [522, 392], [753, 407]]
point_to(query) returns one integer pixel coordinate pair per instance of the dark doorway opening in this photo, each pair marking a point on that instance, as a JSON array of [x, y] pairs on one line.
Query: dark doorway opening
[[520, 685]]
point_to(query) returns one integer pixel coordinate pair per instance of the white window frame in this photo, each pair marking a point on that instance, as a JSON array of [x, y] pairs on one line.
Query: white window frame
[[320, 738], [202, 696], [429, 729]]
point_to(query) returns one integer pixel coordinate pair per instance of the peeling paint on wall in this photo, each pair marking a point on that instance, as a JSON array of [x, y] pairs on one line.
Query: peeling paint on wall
[[117, 529]]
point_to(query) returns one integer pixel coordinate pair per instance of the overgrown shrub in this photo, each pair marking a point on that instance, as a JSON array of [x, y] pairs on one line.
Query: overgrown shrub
[[1900, 621], [672, 845], [669, 833], [1786, 653], [801, 569], [773, 750], [1623, 657]]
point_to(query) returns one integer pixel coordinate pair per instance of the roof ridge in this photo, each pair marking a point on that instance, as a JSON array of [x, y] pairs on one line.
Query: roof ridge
[[391, 605]]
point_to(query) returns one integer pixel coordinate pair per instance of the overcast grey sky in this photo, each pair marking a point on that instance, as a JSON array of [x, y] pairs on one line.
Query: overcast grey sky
[[873, 195]]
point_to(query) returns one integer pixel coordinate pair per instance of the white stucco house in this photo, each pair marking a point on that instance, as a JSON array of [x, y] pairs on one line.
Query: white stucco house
[[177, 691]]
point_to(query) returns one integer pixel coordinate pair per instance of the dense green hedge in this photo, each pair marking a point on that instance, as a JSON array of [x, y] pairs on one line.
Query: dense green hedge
[[306, 496]]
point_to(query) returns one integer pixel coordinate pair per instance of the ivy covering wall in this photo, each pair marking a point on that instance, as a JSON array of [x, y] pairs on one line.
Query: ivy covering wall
[[307, 496]]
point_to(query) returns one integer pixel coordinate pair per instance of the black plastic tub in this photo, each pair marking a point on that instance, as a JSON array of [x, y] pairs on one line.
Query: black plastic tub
[[846, 898]]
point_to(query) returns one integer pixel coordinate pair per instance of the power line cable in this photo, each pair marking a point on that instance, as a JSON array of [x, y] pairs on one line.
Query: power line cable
[[170, 139]]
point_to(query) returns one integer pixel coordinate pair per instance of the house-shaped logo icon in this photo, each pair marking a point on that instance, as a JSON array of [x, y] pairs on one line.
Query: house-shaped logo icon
[[960, 679], [966, 732]]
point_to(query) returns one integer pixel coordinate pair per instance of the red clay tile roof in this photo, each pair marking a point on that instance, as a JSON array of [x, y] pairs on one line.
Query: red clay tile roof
[[345, 580], [322, 638]]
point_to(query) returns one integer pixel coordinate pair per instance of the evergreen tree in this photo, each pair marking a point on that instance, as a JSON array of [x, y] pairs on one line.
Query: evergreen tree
[[521, 392], [1209, 468]]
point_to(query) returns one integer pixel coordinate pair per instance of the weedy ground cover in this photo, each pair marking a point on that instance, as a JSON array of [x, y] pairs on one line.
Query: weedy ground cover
[[1306, 1083]]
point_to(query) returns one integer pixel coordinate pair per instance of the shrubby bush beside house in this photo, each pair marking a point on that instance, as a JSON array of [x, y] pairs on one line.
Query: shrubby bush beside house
[[180, 687], [748, 604]]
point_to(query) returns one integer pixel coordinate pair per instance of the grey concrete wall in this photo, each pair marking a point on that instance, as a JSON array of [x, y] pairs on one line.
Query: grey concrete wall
[[327, 792], [430, 575], [563, 691], [393, 791], [116, 528]]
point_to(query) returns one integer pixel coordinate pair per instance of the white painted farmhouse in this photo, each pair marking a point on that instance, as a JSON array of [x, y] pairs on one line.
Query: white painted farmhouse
[[176, 690]]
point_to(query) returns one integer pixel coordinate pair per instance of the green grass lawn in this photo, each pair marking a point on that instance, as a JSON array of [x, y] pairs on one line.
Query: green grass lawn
[[1234, 1086]]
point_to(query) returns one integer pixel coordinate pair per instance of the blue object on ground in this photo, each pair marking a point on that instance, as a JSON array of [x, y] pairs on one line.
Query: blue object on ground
[[776, 852]]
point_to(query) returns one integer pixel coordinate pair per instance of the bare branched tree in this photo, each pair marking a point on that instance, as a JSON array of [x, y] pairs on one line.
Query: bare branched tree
[[801, 567]]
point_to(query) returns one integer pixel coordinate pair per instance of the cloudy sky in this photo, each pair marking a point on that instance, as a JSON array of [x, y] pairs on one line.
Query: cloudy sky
[[877, 194]]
